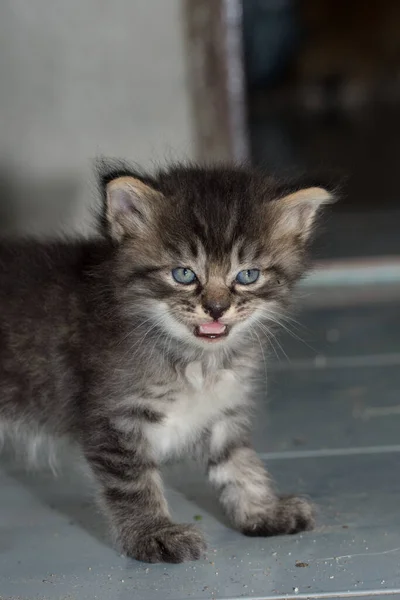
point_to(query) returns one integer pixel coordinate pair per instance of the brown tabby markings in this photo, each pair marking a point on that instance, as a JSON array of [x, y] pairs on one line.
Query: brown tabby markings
[[99, 344]]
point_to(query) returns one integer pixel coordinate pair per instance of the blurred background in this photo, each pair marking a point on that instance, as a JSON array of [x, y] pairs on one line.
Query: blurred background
[[79, 79], [284, 83], [323, 90]]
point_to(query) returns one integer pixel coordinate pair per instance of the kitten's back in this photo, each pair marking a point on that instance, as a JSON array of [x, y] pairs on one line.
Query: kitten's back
[[39, 314]]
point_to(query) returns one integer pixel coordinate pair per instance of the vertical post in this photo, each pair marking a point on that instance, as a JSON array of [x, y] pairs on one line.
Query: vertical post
[[216, 79]]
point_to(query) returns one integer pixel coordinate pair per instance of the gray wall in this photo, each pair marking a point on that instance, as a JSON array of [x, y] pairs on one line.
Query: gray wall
[[86, 77]]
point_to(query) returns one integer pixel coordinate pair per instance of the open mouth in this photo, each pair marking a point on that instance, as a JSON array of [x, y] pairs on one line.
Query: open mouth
[[211, 331]]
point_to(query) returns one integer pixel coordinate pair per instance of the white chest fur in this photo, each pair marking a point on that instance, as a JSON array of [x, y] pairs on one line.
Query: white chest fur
[[198, 405]]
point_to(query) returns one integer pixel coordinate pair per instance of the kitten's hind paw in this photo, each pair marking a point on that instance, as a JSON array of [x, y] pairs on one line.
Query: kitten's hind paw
[[171, 544], [291, 515]]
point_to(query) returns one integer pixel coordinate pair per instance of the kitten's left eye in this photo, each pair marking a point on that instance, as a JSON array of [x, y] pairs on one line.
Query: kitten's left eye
[[248, 276], [183, 275]]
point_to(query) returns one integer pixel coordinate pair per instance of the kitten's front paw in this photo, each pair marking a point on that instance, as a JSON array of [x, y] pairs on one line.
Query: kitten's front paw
[[291, 515], [171, 544]]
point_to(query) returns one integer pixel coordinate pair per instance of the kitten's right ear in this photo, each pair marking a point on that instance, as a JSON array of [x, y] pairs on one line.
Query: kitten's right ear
[[295, 213], [130, 206]]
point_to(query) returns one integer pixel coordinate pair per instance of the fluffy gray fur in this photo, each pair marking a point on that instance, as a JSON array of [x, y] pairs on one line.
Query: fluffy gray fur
[[101, 344]]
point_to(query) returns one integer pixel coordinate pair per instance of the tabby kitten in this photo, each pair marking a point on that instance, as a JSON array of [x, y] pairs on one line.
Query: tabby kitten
[[142, 345]]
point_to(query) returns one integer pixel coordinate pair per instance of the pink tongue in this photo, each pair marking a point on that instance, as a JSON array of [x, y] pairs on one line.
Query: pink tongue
[[213, 328]]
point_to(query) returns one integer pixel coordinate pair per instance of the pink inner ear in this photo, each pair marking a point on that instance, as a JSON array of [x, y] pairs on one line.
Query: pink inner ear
[[122, 200], [297, 212], [130, 204]]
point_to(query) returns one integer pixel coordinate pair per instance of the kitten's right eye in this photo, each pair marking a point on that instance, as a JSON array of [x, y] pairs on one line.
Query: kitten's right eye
[[248, 276], [183, 275]]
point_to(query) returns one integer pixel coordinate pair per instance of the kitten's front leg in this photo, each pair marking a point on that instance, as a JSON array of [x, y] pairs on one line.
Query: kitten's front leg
[[133, 499], [245, 489]]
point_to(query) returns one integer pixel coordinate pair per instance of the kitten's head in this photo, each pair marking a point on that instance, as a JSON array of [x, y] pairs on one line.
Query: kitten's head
[[208, 255]]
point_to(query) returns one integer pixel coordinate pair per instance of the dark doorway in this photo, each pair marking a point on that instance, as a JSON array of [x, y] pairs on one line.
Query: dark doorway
[[323, 92]]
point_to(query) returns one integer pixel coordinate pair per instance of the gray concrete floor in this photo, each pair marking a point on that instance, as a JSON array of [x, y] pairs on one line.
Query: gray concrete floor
[[330, 429]]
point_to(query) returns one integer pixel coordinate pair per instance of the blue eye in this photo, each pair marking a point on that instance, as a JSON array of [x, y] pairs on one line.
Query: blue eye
[[182, 275], [248, 276]]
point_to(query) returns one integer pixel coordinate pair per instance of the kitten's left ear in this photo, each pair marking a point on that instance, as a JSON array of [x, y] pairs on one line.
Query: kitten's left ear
[[130, 207], [296, 213]]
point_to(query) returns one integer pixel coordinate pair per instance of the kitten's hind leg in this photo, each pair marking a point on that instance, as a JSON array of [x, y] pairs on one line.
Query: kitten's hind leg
[[246, 491], [133, 499]]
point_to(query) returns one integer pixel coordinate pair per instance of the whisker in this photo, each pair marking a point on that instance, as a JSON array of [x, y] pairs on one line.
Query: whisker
[[277, 319], [262, 350], [272, 338], [140, 340]]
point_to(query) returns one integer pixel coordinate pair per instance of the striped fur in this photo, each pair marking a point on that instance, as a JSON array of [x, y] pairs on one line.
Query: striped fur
[[98, 343]]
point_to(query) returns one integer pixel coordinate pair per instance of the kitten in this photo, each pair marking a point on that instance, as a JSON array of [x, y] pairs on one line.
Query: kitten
[[142, 345]]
